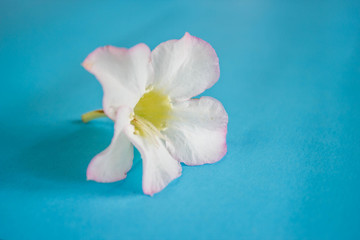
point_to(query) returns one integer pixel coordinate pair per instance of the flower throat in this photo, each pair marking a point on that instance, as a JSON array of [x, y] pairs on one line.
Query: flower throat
[[151, 113]]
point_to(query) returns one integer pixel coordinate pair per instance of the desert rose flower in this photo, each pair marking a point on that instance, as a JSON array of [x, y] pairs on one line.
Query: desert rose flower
[[149, 95]]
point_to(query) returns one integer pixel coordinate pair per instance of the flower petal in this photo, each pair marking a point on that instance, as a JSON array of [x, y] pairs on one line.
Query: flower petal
[[159, 167], [197, 132], [123, 74], [185, 68], [115, 161]]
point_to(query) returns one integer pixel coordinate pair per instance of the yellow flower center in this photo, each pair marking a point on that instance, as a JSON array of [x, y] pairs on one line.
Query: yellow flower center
[[151, 113]]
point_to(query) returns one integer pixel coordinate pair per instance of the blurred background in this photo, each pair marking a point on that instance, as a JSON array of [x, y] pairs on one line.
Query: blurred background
[[289, 82]]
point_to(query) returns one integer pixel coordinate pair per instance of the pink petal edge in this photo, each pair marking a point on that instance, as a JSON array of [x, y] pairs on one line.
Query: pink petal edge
[[212, 51], [90, 176], [89, 60], [90, 171]]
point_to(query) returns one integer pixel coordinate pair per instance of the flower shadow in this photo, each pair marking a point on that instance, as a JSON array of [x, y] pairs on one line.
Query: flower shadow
[[59, 160]]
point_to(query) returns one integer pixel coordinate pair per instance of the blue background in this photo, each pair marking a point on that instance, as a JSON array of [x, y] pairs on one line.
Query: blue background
[[290, 81]]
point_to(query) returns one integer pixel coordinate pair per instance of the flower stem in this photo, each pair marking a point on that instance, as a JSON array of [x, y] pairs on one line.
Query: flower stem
[[87, 117]]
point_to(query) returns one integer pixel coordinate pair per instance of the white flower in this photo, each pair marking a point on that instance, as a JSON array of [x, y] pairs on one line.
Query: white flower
[[149, 96]]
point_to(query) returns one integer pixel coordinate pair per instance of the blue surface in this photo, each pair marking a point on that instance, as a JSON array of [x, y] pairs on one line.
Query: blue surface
[[290, 81]]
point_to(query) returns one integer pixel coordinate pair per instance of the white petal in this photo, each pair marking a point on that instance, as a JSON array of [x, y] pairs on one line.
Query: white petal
[[123, 74], [159, 167], [197, 132], [114, 162], [185, 68]]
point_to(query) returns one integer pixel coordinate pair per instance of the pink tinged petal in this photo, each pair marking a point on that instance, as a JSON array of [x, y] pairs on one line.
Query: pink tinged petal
[[114, 162], [185, 68], [123, 74], [159, 167], [197, 132]]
